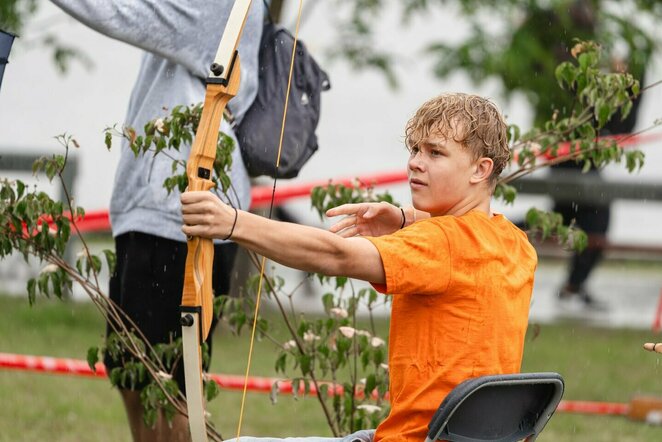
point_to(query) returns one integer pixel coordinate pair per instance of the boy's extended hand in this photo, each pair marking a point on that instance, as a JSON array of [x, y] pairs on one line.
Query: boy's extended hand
[[366, 219], [205, 215]]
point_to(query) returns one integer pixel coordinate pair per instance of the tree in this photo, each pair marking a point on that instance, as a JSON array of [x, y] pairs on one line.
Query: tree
[[519, 42], [16, 14]]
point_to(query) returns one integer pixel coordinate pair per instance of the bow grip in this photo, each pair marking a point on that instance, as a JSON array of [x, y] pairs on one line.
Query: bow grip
[[197, 290]]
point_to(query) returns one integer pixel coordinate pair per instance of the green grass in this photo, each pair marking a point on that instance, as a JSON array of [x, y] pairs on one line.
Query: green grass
[[597, 364]]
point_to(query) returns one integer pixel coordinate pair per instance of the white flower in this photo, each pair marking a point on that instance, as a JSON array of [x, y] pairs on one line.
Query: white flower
[[339, 313], [310, 337], [81, 254], [158, 125], [369, 409], [347, 332], [50, 268], [290, 345], [163, 375], [384, 366], [377, 342], [363, 333]]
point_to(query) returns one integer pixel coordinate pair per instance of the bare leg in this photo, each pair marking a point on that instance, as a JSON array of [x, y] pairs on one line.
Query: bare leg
[[175, 431]]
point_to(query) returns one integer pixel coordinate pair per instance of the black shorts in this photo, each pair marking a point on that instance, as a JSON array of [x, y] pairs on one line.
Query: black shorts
[[147, 285]]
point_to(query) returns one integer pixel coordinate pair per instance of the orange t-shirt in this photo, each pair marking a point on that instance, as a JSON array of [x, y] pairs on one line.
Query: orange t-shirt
[[461, 292]]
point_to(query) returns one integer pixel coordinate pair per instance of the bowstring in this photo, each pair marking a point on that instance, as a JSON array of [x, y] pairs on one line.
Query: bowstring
[[271, 207]]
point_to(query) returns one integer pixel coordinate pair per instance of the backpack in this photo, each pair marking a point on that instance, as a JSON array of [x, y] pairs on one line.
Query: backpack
[[258, 132]]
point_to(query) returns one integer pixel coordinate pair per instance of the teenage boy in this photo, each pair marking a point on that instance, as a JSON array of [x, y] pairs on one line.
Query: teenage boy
[[460, 275]]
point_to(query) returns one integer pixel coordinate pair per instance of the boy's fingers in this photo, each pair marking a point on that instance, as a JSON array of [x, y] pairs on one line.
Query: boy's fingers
[[189, 208], [193, 219], [189, 197], [195, 196], [197, 230], [370, 212], [349, 232], [345, 209], [343, 224], [188, 230]]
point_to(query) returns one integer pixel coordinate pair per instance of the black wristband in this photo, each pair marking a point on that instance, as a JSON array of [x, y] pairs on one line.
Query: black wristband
[[233, 224], [404, 219]]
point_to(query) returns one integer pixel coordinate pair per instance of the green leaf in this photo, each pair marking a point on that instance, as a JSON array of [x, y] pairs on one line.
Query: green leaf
[[92, 358], [584, 61], [32, 285], [370, 384], [281, 363], [95, 263], [211, 390], [111, 260], [532, 217], [306, 362], [379, 356], [603, 112], [580, 240], [328, 302], [20, 189], [323, 391], [565, 75]]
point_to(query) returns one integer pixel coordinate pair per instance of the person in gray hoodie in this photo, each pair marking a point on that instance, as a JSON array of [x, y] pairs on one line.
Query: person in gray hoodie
[[180, 39]]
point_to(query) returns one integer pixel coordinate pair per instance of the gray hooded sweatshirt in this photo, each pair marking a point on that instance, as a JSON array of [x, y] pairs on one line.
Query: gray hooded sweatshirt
[[180, 39]]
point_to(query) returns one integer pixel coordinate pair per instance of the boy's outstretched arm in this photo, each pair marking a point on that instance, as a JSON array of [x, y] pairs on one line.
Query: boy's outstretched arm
[[302, 247], [373, 219]]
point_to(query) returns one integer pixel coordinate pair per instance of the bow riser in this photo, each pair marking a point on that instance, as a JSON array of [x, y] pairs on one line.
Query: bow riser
[[197, 296], [197, 289]]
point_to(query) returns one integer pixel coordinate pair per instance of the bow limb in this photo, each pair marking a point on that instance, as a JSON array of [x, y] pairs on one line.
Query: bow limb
[[197, 296]]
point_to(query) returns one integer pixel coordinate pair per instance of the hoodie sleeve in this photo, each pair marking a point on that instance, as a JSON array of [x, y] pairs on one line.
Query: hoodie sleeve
[[186, 32]]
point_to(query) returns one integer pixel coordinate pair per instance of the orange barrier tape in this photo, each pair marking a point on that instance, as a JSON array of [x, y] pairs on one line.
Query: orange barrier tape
[[77, 367], [591, 407]]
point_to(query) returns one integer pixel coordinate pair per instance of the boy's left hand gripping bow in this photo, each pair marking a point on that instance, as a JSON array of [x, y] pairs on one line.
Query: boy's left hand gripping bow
[[197, 299]]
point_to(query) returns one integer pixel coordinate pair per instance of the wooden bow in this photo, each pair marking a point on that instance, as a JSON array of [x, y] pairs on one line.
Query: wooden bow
[[197, 296], [197, 308]]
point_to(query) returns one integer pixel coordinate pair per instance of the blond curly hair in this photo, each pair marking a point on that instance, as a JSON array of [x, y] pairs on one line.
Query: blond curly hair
[[472, 121]]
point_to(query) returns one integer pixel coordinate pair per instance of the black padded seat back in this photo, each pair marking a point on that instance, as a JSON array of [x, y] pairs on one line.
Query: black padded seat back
[[501, 408]]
